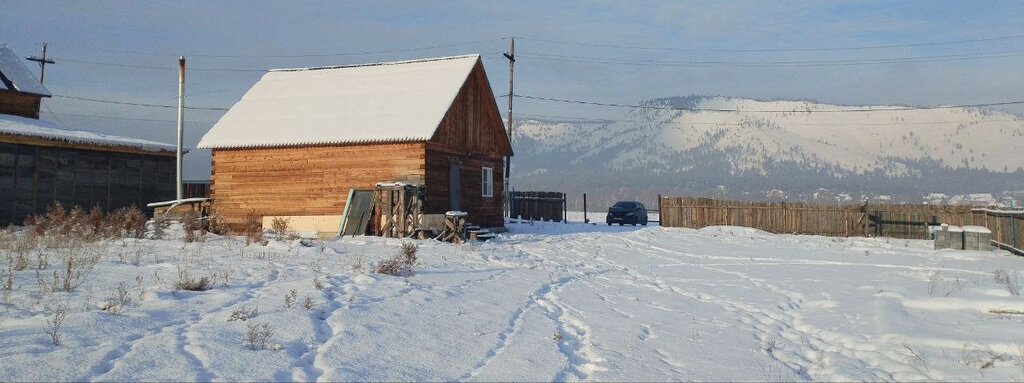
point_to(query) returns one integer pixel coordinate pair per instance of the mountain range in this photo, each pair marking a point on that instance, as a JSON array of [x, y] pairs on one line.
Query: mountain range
[[736, 148]]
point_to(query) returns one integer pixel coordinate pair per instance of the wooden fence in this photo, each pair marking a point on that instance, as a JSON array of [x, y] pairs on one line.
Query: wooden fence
[[884, 220], [1007, 227], [537, 205]]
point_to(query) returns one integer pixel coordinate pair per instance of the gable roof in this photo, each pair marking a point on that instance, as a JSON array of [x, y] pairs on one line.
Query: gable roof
[[15, 75], [382, 102]]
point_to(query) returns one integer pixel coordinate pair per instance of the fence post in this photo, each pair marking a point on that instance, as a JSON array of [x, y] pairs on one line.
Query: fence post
[[1013, 226], [660, 212], [565, 210], [585, 219]]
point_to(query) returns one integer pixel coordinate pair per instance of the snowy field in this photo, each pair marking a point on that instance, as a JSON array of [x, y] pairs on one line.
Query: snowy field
[[547, 301]]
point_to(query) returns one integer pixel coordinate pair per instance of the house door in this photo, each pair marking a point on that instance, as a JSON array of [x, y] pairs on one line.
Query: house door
[[454, 183]]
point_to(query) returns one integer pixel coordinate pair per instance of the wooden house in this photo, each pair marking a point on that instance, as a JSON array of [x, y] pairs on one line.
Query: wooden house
[[300, 139], [21, 93], [42, 163]]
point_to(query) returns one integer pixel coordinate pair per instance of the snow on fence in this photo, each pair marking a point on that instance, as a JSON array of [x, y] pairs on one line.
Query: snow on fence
[[537, 205], [882, 220]]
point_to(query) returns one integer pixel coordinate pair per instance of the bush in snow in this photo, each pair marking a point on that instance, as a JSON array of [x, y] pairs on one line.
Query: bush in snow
[[244, 313], [280, 226], [253, 228], [402, 263], [119, 300], [1003, 277], [187, 282], [160, 224], [53, 326], [258, 335], [215, 224], [192, 225]]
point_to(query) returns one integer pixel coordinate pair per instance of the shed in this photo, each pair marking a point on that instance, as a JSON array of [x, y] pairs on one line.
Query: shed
[[42, 163], [300, 139]]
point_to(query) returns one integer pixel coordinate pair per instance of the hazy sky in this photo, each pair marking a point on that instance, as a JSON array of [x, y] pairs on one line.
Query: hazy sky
[[856, 52]]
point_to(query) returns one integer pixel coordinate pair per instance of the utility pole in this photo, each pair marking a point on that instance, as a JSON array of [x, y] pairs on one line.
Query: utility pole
[[511, 56], [42, 63], [181, 121]]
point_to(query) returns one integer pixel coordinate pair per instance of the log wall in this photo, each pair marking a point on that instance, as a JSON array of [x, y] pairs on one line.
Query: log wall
[[19, 104], [295, 181]]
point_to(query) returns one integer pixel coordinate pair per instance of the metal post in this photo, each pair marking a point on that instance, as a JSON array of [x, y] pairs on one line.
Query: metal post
[[565, 210], [181, 122]]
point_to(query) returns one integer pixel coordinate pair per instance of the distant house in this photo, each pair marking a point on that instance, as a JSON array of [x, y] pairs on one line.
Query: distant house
[[42, 163], [301, 138], [21, 93]]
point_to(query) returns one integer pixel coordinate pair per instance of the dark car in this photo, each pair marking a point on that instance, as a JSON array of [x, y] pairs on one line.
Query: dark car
[[630, 212]]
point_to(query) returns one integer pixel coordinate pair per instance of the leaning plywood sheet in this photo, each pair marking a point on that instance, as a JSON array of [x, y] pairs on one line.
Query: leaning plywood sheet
[[357, 214]]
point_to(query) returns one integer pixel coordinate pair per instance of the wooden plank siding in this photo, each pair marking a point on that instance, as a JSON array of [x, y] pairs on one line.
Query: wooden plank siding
[[473, 124], [19, 104], [34, 177], [305, 180]]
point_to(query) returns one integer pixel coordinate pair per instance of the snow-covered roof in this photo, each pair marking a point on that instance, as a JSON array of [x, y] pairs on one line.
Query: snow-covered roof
[[18, 125], [14, 70], [382, 102]]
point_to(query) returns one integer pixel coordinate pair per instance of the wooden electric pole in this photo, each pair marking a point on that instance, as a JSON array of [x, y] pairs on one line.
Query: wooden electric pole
[[511, 56], [42, 63]]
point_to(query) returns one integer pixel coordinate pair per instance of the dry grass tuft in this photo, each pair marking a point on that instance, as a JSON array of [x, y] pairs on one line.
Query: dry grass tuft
[[401, 264]]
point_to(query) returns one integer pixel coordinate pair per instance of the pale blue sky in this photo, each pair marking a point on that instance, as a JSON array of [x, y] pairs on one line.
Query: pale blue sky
[[153, 34]]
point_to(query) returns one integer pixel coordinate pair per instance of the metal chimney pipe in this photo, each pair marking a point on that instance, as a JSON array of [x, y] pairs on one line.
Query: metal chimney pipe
[[181, 123]]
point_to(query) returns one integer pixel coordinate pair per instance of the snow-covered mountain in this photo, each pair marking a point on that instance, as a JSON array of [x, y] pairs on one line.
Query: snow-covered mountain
[[797, 147]]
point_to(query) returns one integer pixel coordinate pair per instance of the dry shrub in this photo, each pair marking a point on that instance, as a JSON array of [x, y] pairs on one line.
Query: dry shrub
[[280, 226], [402, 263], [119, 300], [128, 222], [187, 282], [52, 327], [258, 335], [214, 223], [253, 228], [160, 225], [193, 227], [1005, 278], [244, 313]]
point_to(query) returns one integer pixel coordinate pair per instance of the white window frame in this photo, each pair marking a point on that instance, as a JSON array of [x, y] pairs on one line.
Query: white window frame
[[487, 181]]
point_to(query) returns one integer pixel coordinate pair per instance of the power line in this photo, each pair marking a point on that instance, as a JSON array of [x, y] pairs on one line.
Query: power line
[[126, 118], [892, 109], [851, 48], [333, 54], [142, 66], [137, 103], [570, 119], [848, 62]]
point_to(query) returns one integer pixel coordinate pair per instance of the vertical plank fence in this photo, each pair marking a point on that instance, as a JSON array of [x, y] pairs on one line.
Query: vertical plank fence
[[537, 205], [888, 220]]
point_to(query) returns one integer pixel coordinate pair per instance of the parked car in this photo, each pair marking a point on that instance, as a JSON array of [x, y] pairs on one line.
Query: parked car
[[630, 212]]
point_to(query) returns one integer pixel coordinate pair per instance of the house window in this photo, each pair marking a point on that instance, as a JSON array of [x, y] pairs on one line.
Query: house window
[[488, 181]]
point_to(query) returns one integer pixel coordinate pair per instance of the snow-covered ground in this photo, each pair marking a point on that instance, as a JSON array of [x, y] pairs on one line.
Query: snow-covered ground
[[547, 301]]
